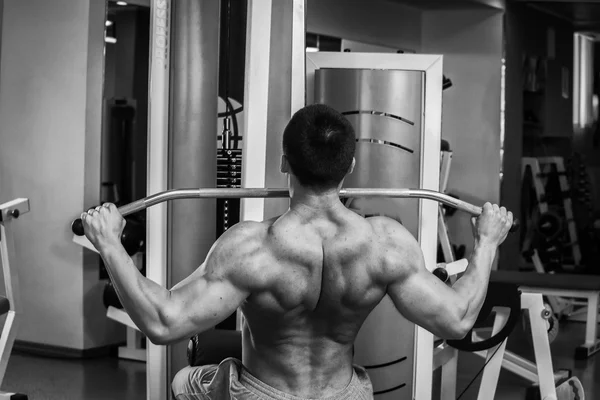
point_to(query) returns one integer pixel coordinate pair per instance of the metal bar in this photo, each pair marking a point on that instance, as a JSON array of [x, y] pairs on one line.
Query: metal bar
[[121, 316], [157, 380], [7, 339], [444, 238], [515, 368], [448, 379], [223, 193], [256, 104], [175, 194], [493, 359], [521, 362], [581, 294], [11, 285], [442, 355], [541, 345], [298, 83], [591, 327]]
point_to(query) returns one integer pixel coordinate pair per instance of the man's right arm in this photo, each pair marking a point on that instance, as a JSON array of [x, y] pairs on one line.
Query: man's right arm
[[447, 312]]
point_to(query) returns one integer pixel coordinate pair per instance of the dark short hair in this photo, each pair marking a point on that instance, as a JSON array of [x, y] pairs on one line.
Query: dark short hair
[[319, 144]]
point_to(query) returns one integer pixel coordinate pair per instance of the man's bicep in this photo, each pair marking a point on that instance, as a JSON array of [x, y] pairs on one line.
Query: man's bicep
[[419, 295]]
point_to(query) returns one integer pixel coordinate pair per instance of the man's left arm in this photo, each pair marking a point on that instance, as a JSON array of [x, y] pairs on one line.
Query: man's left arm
[[199, 302]]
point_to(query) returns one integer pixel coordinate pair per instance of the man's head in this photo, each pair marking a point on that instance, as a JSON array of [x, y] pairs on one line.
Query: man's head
[[318, 147]]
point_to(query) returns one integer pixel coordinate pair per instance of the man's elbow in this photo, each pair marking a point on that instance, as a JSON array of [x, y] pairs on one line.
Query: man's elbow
[[159, 336], [457, 331]]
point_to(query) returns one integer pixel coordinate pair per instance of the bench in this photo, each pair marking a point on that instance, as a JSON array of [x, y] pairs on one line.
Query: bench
[[585, 287]]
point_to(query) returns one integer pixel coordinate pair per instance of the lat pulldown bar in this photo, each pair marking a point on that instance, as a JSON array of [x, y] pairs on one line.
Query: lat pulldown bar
[[209, 193]]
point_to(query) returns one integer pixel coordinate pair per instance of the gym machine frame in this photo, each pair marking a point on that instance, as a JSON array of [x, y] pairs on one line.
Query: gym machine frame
[[431, 67], [539, 373], [255, 140], [424, 340], [446, 357], [8, 212]]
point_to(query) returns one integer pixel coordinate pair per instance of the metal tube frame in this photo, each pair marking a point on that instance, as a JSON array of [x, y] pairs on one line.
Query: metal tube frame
[[11, 282], [540, 373], [157, 369], [431, 66], [591, 343], [262, 193], [256, 92], [446, 159]]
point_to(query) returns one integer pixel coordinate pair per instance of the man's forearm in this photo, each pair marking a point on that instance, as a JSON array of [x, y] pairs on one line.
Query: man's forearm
[[141, 297], [472, 286]]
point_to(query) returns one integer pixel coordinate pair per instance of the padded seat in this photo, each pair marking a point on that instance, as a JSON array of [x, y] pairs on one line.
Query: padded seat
[[213, 346], [4, 305], [550, 281]]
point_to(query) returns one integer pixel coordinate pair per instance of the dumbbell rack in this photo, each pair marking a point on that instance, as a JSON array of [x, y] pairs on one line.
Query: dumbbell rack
[[573, 309], [541, 168]]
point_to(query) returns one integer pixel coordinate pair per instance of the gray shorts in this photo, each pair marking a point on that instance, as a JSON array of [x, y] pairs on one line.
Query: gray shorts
[[231, 381]]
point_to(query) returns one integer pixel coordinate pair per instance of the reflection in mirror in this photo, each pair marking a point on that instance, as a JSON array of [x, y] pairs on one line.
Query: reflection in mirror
[[125, 102], [124, 135]]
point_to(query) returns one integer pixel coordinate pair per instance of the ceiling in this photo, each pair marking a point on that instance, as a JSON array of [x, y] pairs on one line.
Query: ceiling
[[451, 4], [585, 15]]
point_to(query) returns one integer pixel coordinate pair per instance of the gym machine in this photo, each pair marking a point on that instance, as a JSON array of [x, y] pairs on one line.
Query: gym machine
[[506, 304], [405, 86], [10, 304]]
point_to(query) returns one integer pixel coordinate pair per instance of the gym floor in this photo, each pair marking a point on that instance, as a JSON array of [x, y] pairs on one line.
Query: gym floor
[[110, 378]]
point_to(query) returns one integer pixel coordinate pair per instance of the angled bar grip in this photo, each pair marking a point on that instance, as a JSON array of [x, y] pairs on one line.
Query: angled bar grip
[[174, 194]]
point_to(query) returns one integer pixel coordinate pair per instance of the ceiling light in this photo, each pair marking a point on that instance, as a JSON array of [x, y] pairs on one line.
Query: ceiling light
[[109, 23], [312, 49], [121, 3], [109, 39]]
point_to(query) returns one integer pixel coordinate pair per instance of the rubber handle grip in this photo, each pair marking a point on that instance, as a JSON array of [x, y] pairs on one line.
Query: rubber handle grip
[[77, 227], [441, 273], [515, 226]]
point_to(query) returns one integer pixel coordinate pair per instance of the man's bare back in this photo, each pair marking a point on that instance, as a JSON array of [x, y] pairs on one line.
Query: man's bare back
[[323, 272], [324, 277]]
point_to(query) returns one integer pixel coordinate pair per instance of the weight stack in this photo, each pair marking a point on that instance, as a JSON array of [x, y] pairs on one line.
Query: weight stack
[[229, 175]]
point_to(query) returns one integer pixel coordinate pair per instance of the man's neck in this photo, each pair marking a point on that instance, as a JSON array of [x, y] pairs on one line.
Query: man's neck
[[306, 200]]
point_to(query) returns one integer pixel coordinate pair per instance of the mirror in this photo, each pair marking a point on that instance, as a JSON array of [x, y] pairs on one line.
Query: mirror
[[124, 133], [124, 140]]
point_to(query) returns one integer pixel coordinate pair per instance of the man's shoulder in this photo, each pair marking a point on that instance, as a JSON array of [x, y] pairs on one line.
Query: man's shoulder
[[399, 248], [247, 229], [389, 230], [246, 236], [242, 256]]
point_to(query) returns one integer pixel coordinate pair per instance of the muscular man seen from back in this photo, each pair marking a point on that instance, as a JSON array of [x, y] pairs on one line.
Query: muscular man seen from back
[[305, 281]]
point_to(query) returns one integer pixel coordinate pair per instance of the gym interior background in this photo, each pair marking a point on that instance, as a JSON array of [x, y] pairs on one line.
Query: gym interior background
[[520, 114]]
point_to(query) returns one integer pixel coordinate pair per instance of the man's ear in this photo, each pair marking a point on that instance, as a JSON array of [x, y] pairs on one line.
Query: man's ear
[[352, 166], [285, 166]]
